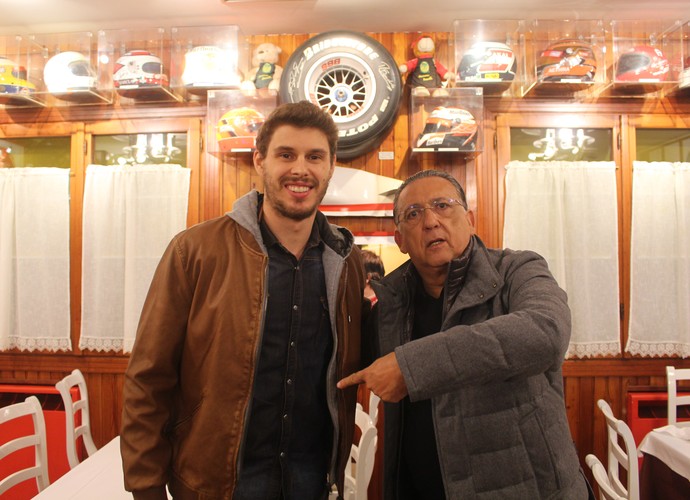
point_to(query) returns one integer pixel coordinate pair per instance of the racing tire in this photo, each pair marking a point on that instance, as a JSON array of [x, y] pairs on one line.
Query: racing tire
[[354, 78]]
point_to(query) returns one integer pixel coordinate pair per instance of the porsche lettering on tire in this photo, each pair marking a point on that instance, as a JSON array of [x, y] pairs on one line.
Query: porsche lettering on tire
[[354, 78]]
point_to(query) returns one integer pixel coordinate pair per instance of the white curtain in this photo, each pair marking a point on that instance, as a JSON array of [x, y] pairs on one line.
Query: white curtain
[[130, 215], [34, 259], [567, 212], [660, 260]]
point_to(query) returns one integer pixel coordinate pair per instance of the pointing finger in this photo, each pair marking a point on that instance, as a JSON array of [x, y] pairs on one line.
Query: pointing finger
[[354, 379]]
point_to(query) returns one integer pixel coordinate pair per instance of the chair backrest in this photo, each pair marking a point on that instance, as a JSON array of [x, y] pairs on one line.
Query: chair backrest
[[30, 407], [622, 452], [673, 375], [606, 491], [374, 401], [362, 457], [72, 407]]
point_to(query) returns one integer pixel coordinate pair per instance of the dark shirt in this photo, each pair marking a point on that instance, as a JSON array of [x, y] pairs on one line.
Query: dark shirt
[[289, 435], [425, 74], [420, 470], [264, 75]]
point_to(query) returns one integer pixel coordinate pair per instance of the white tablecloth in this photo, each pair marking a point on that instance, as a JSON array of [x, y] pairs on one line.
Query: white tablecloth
[[97, 477], [671, 445]]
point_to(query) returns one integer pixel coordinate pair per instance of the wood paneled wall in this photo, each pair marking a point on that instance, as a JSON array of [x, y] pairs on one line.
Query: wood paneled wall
[[223, 179]]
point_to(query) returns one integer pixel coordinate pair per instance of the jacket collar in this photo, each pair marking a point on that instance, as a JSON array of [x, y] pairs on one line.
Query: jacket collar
[[482, 280], [245, 211]]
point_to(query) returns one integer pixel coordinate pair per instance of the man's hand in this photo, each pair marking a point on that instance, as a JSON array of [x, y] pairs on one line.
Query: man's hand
[[383, 377]]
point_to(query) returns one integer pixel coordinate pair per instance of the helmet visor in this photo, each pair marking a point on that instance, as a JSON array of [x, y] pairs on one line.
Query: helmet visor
[[437, 125], [633, 62]]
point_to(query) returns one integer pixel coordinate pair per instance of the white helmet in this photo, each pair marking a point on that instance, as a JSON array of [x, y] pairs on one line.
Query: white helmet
[[68, 71], [489, 62], [138, 68], [208, 66]]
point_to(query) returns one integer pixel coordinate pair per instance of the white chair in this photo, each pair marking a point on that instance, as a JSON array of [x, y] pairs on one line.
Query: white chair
[[72, 407], [374, 401], [606, 491], [362, 455], [36, 440], [673, 375], [624, 455]]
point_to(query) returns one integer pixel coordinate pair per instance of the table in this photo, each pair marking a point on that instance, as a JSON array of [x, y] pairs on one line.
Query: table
[[99, 476], [665, 472]]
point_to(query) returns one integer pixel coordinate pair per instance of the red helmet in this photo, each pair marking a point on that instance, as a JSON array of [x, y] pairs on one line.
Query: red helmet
[[641, 63]]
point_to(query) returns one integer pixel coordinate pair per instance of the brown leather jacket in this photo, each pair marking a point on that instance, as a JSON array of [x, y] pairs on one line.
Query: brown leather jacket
[[189, 382]]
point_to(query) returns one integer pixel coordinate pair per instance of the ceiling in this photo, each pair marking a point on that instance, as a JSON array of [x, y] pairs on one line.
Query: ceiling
[[255, 17]]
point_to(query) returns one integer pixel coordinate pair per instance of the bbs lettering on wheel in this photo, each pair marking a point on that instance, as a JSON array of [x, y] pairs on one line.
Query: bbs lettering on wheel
[[354, 78]]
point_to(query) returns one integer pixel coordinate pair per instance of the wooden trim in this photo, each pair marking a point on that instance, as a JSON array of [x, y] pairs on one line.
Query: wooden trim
[[617, 367], [11, 362]]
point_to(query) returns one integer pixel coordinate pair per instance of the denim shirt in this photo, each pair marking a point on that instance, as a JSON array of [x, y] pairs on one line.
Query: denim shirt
[[289, 436]]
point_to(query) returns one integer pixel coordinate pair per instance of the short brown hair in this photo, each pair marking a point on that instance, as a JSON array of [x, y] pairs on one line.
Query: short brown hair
[[301, 114], [373, 265]]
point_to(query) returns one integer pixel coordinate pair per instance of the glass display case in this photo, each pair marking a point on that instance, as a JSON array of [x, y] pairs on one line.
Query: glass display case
[[681, 64], [204, 58], [489, 54], [566, 58], [138, 62], [646, 57], [72, 73], [21, 78], [234, 118], [448, 121]]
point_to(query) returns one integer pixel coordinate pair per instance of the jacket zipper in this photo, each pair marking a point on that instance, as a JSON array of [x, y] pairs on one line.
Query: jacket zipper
[[257, 353]]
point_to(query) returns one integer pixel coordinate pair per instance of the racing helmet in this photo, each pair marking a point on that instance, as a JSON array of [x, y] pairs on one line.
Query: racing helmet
[[240, 122], [488, 61], [449, 127], [68, 71], [642, 62], [13, 78], [138, 68], [238, 128], [567, 59], [208, 66]]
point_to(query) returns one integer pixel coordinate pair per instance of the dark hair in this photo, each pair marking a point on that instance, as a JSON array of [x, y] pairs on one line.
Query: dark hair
[[301, 114], [373, 265], [423, 175]]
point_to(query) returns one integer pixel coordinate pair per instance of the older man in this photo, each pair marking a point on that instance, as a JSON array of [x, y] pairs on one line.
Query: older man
[[472, 342]]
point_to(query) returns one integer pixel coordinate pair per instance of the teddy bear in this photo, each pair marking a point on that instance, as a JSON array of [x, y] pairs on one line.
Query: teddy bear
[[265, 73], [425, 72]]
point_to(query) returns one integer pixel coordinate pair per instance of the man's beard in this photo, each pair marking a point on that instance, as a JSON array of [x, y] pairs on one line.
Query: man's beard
[[299, 212]]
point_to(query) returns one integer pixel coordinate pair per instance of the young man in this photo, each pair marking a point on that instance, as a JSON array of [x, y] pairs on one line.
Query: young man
[[250, 320], [472, 342]]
